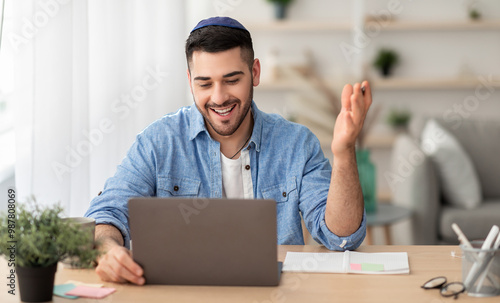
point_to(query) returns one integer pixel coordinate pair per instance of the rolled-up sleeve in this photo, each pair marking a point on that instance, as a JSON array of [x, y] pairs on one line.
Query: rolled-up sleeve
[[135, 177], [334, 242]]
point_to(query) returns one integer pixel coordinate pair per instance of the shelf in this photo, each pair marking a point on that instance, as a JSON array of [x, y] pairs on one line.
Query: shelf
[[429, 84], [293, 85], [384, 196], [379, 140], [281, 85], [299, 26], [391, 84], [315, 26], [437, 26]]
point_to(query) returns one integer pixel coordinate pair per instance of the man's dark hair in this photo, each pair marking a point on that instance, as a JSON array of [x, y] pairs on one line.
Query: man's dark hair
[[215, 38]]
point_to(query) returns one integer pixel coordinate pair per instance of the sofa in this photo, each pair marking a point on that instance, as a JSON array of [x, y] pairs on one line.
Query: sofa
[[417, 181]]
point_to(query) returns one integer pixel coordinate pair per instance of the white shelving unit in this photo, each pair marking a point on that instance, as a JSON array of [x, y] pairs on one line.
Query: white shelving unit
[[429, 84], [392, 84], [324, 26], [299, 26], [440, 26]]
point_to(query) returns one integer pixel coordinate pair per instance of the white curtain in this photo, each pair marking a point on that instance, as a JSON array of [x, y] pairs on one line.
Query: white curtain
[[90, 75]]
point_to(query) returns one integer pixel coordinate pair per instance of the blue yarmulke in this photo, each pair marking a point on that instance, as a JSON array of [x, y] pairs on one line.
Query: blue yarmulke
[[220, 21]]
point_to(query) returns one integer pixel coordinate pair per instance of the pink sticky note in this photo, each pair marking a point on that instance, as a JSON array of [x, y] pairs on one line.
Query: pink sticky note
[[90, 292], [355, 266]]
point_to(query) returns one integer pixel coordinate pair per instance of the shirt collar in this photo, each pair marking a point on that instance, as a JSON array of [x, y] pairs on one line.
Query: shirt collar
[[198, 124], [257, 126]]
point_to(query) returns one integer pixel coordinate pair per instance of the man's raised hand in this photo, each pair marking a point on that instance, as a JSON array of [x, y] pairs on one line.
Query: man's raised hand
[[350, 121]]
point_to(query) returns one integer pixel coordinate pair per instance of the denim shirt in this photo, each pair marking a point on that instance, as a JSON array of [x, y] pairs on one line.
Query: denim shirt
[[176, 157]]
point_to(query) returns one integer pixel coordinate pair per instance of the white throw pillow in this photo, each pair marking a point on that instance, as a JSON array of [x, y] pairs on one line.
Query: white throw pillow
[[457, 174]]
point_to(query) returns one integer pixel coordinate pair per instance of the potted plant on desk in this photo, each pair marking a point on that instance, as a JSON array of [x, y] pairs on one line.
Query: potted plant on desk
[[34, 239]]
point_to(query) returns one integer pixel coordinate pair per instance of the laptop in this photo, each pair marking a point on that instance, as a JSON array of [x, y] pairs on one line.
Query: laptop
[[199, 241]]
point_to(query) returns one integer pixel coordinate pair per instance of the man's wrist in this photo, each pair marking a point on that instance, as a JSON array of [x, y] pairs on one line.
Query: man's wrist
[[107, 243], [107, 237], [344, 158]]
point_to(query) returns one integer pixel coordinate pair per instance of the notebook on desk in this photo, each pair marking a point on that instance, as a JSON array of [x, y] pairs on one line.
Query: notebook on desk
[[197, 241]]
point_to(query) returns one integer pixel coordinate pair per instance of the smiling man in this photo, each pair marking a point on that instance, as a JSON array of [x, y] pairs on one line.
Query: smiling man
[[224, 146]]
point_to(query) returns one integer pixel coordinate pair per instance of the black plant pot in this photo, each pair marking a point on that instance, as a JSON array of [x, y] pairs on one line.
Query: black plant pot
[[386, 70], [279, 11], [36, 284]]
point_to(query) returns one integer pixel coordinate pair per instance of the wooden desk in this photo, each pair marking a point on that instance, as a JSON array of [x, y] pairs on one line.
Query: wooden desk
[[425, 262]]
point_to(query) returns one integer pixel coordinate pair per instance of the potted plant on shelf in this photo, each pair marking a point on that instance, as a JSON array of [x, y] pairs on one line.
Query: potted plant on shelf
[[398, 119], [35, 239], [386, 59], [474, 13], [280, 8]]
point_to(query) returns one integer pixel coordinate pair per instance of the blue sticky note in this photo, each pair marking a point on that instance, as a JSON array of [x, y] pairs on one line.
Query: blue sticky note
[[60, 290]]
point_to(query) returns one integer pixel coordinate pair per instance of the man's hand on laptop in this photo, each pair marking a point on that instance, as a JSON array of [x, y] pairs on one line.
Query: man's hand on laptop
[[117, 265]]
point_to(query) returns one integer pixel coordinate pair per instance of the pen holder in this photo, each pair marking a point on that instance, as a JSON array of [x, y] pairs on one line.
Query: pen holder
[[481, 270]]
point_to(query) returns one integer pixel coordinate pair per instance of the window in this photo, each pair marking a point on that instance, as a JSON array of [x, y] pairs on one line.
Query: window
[[6, 72], [7, 150]]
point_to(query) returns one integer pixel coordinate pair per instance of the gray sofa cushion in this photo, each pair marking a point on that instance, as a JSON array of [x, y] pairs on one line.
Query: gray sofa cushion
[[476, 223], [481, 141], [459, 181]]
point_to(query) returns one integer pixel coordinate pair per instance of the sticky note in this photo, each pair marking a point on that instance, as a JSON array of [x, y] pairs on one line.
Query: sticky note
[[90, 292], [355, 266], [372, 267], [60, 290]]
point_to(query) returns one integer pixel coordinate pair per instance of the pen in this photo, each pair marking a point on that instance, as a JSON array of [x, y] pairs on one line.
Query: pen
[[489, 239], [497, 242], [461, 237], [363, 90]]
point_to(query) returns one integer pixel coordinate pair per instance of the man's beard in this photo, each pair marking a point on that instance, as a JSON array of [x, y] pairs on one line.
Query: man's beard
[[223, 131]]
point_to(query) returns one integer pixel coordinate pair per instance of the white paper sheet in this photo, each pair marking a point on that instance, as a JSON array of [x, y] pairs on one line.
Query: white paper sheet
[[347, 262]]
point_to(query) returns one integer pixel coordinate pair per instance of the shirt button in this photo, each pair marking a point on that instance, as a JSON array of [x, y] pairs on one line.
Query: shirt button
[[249, 147], [176, 188], [284, 194], [247, 167]]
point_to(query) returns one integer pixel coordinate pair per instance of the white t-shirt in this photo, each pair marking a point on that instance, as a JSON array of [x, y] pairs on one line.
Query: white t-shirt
[[237, 177]]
